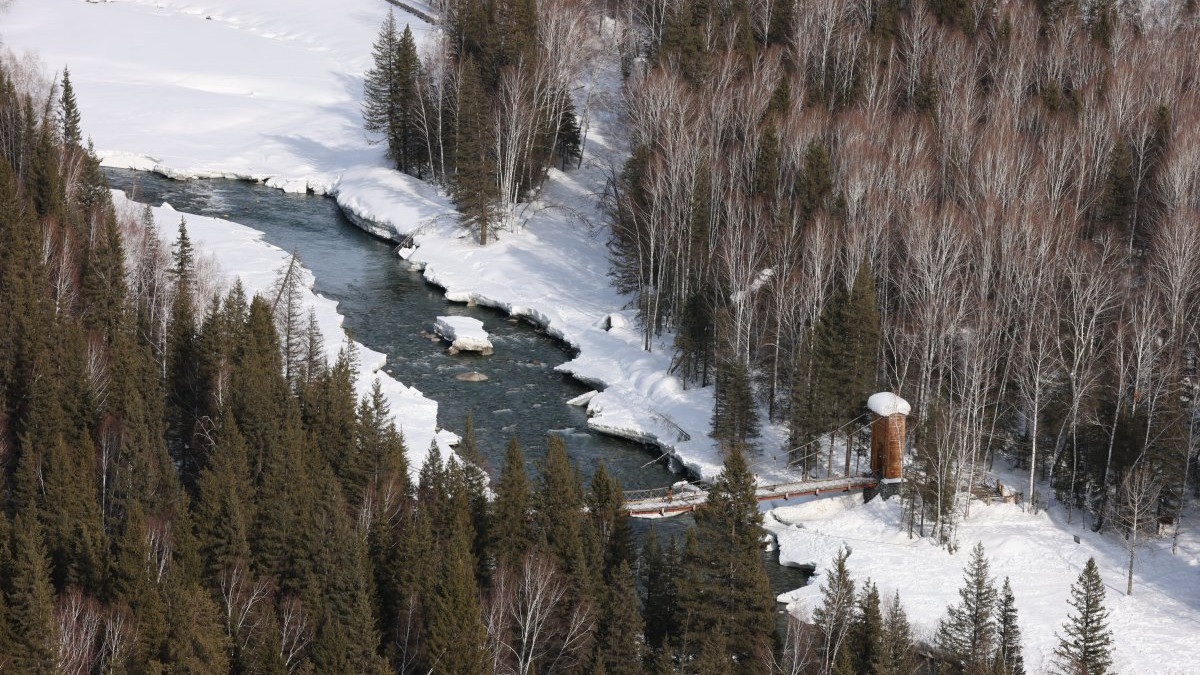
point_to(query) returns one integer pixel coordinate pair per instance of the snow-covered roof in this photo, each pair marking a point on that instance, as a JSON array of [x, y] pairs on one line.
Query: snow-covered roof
[[885, 404]]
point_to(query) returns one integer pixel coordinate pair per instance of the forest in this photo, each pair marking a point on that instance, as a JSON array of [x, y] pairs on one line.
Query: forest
[[988, 207]]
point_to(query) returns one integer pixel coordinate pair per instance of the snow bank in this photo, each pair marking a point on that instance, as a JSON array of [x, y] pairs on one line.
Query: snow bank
[[886, 404], [464, 333], [1154, 630], [241, 252]]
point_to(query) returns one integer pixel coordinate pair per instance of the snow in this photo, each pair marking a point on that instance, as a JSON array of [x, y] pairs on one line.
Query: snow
[[1154, 630], [271, 90], [465, 334], [886, 404], [240, 252]]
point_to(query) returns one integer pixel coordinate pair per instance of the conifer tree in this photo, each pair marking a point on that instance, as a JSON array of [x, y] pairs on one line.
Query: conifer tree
[[727, 586], [182, 357], [472, 187], [30, 598], [606, 507], [867, 632], [1008, 660], [660, 566], [455, 636], [899, 657], [735, 418], [833, 618], [619, 639], [224, 503], [1085, 646], [512, 536], [560, 517], [967, 636], [390, 94], [68, 112]]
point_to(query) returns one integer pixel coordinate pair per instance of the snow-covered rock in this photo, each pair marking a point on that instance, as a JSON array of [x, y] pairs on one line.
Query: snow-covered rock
[[886, 404], [464, 334]]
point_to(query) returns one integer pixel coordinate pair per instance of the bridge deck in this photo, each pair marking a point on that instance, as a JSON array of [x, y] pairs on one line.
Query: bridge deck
[[662, 502]]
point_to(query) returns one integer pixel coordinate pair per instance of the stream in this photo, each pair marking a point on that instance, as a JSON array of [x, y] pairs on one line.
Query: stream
[[387, 306]]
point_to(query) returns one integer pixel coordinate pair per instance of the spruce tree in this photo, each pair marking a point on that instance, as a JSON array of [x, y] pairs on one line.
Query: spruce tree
[[1085, 646], [727, 586], [473, 184], [619, 639], [966, 638], [1008, 660], [68, 112], [455, 638], [30, 599], [899, 654], [560, 517], [512, 535], [659, 567], [867, 632], [606, 507], [834, 616]]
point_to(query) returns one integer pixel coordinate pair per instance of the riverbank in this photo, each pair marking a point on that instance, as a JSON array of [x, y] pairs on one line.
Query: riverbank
[[294, 123], [231, 251]]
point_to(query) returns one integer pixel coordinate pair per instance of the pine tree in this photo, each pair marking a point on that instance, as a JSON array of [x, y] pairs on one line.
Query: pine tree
[[899, 657], [472, 187], [659, 565], [68, 112], [606, 507], [619, 638], [512, 536], [455, 638], [1086, 643], [835, 614], [967, 636], [727, 585], [30, 598], [867, 632], [1008, 660], [560, 517]]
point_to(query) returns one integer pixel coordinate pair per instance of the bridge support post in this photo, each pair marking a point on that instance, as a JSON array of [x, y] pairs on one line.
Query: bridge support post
[[886, 488]]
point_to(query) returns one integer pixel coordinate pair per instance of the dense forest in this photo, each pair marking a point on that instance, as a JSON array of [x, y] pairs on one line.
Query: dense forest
[[986, 206]]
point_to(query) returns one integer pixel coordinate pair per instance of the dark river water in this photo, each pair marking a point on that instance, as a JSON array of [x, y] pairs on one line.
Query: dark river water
[[388, 306]]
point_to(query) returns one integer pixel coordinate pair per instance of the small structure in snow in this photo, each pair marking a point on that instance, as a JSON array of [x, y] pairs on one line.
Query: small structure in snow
[[464, 334], [887, 439]]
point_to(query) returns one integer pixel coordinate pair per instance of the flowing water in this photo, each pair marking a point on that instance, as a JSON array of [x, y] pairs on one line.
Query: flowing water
[[388, 305]]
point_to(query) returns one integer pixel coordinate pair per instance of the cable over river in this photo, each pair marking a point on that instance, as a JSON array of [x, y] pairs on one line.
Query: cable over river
[[389, 307]]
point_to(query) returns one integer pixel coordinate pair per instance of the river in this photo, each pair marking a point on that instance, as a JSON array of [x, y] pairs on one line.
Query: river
[[388, 305]]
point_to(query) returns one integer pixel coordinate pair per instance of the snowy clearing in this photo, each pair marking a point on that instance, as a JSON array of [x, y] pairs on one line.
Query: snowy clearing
[[1155, 629]]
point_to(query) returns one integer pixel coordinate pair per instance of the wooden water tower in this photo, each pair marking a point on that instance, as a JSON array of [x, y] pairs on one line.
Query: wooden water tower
[[888, 429]]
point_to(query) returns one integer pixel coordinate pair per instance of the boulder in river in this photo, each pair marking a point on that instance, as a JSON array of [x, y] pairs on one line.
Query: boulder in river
[[471, 376], [464, 334]]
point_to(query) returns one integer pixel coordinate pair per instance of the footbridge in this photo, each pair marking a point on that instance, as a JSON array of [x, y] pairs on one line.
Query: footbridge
[[663, 502]]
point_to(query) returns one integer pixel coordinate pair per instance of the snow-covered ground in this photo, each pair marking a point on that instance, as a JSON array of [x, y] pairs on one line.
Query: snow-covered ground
[[465, 334], [271, 89], [1156, 630], [234, 251]]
